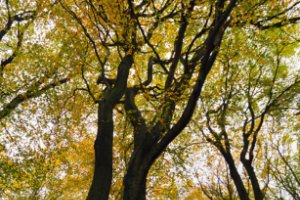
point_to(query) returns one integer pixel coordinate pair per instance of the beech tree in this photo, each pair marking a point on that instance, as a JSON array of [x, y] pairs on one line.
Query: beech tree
[[242, 105], [17, 21], [139, 68], [151, 136]]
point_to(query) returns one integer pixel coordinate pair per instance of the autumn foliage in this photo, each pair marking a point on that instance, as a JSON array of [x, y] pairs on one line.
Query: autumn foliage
[[149, 99]]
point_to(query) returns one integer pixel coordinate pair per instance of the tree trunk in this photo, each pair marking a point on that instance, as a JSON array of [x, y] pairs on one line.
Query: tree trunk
[[136, 177], [103, 154], [101, 184], [258, 194], [235, 176]]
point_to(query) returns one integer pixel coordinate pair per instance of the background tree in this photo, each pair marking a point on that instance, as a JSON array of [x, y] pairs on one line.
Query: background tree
[[248, 93]]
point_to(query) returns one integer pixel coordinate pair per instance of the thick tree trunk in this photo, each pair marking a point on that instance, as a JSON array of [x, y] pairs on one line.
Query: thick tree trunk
[[103, 154], [236, 176], [258, 194], [104, 141], [136, 177]]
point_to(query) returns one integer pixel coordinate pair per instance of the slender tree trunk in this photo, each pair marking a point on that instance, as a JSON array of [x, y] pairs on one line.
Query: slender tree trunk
[[236, 176], [103, 161], [258, 194]]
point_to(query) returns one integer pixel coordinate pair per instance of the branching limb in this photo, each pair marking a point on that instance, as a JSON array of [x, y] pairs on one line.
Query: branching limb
[[212, 43], [135, 117], [29, 94]]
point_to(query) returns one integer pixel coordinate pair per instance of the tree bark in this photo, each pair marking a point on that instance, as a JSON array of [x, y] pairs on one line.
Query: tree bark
[[136, 177], [103, 161]]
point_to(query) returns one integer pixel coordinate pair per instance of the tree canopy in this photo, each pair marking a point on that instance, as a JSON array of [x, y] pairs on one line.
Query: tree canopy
[[149, 99]]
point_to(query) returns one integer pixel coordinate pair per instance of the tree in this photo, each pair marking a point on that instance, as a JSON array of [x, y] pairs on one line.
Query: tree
[[247, 93], [141, 62], [150, 138], [18, 23]]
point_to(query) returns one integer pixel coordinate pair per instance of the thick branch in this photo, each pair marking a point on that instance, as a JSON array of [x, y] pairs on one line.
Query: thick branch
[[212, 43], [26, 15], [178, 46], [135, 117]]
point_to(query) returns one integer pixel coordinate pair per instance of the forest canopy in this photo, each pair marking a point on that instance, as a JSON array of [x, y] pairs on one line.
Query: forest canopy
[[149, 99]]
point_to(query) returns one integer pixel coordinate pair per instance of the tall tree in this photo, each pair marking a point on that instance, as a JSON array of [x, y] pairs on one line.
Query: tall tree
[[151, 137], [144, 63], [247, 94]]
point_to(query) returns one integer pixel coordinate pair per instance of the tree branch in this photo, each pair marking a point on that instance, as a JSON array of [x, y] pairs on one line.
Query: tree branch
[[29, 94]]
